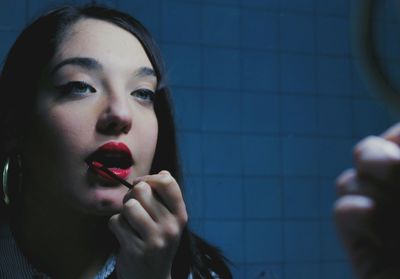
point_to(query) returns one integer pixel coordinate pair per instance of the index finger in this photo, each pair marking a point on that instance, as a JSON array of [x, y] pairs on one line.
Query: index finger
[[168, 189], [392, 134]]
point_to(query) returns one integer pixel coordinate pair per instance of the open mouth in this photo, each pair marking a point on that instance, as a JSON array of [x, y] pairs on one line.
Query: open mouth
[[114, 156]]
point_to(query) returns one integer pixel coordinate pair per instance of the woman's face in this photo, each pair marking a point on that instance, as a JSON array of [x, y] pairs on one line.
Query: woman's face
[[94, 105]]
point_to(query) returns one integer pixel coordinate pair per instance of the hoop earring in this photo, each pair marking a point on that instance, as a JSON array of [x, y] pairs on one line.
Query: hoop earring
[[5, 182], [7, 172]]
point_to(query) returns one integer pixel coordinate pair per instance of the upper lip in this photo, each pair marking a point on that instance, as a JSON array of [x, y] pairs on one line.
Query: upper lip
[[112, 151]]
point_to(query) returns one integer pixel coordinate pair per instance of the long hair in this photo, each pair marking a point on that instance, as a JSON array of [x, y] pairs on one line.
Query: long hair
[[26, 62]]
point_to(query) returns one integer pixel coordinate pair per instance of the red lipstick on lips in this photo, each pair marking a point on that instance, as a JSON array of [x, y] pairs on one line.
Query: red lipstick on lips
[[110, 161], [100, 168]]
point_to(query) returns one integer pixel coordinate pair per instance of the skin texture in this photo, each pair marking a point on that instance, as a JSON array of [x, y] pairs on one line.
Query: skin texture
[[367, 210], [68, 210]]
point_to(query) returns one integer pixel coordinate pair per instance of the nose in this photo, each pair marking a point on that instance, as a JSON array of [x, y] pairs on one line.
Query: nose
[[116, 118]]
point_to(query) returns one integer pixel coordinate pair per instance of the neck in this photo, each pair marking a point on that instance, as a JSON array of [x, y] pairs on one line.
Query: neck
[[60, 243]]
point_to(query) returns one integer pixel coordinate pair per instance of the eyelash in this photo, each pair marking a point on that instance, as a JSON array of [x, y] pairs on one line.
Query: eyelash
[[75, 88], [149, 94], [81, 87]]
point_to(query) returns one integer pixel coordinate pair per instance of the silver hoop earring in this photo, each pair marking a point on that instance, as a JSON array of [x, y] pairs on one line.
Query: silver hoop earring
[[5, 182], [12, 173]]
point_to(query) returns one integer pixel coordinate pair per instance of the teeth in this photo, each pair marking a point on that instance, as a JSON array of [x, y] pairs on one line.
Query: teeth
[[113, 159]]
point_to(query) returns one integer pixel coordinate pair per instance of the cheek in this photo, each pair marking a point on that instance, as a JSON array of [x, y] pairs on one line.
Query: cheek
[[144, 138], [59, 135]]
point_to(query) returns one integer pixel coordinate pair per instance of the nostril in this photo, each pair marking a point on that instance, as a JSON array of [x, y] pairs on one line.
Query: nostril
[[114, 125]]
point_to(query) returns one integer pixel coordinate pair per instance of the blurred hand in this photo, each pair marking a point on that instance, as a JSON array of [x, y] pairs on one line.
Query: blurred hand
[[367, 212], [149, 227]]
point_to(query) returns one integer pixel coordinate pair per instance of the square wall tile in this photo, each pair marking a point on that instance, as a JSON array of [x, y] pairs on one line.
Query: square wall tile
[[222, 68], [391, 11], [268, 4], [332, 249], [263, 241], [358, 82], [184, 64], [390, 67], [261, 155], [191, 148], [37, 8], [188, 104], [221, 25], [148, 12], [181, 22], [302, 241], [297, 32], [261, 113], [335, 270], [196, 226], [260, 71], [228, 236], [381, 39], [264, 271], [238, 270], [298, 73], [371, 117], [333, 7], [380, 10], [226, 189], [300, 156], [7, 39], [222, 154], [13, 14], [298, 5], [302, 271], [299, 115], [334, 76], [262, 198], [328, 197], [259, 29], [221, 2], [301, 197], [194, 196], [334, 156], [335, 116], [222, 111], [333, 35]]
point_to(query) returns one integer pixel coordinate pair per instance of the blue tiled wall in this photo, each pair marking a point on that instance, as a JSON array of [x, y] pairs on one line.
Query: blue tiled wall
[[268, 106]]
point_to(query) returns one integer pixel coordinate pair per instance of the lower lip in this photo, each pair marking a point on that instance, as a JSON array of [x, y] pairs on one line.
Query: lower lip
[[122, 173]]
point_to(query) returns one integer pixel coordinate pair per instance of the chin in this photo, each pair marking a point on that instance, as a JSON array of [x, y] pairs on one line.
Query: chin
[[104, 202]]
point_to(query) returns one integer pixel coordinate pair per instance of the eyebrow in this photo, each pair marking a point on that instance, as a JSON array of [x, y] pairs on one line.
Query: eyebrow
[[84, 62], [144, 72], [93, 64]]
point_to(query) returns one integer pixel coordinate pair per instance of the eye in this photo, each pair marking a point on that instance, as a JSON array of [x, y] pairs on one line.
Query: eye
[[76, 88], [144, 95]]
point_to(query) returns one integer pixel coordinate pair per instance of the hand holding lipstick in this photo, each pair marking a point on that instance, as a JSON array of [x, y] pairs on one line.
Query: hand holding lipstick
[[149, 227]]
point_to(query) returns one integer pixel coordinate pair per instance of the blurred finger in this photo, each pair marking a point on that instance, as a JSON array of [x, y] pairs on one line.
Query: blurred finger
[[393, 133], [379, 158], [351, 183], [354, 220]]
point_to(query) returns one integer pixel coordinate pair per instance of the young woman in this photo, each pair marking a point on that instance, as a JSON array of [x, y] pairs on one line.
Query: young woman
[[84, 108]]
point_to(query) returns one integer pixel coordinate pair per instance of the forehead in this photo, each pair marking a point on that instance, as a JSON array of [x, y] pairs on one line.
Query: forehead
[[103, 41]]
